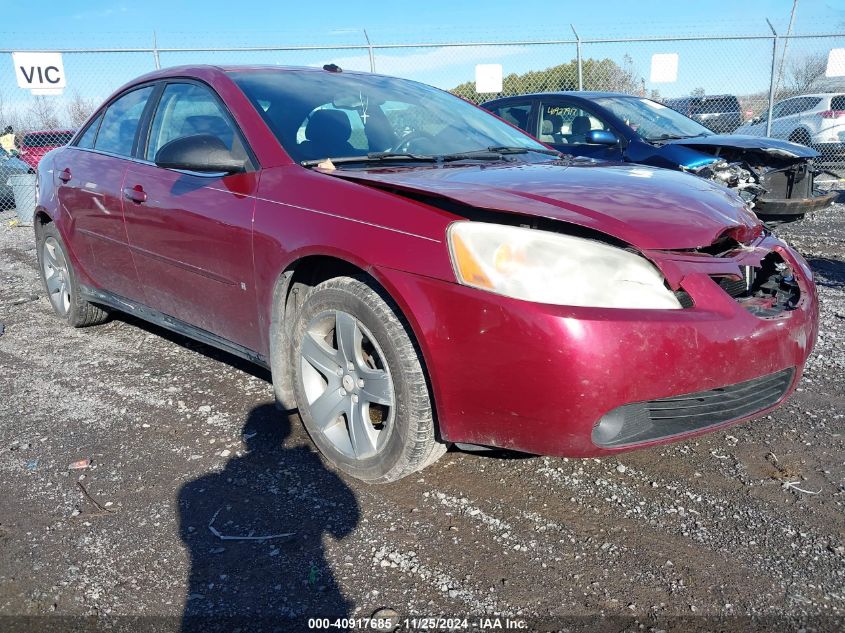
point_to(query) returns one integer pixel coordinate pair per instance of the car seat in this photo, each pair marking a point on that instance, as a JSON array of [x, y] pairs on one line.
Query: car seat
[[327, 134]]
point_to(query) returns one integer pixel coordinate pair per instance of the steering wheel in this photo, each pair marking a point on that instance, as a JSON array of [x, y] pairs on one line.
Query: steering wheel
[[406, 142]]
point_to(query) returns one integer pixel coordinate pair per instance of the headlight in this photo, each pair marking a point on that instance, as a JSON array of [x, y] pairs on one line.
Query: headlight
[[552, 268]]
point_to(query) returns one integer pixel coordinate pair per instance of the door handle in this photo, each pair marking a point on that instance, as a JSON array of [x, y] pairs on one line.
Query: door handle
[[64, 175], [136, 194]]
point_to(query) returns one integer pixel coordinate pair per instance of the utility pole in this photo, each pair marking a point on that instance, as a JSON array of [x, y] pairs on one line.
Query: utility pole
[[785, 45]]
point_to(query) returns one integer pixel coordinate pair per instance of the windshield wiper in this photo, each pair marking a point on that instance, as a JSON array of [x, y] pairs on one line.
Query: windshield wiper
[[372, 157], [674, 137], [490, 153], [496, 152], [503, 149]]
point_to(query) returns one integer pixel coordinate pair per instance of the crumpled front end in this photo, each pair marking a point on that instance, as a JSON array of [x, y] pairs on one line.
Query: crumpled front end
[[572, 381], [777, 184], [769, 281]]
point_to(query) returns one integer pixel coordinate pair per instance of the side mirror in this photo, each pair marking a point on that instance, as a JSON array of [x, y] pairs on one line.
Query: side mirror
[[602, 137], [204, 153]]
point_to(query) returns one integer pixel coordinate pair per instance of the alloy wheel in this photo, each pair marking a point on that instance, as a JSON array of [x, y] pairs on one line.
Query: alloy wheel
[[56, 275], [347, 383]]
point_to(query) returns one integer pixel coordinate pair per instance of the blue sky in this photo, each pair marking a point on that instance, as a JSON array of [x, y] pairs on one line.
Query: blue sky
[[718, 67], [210, 21]]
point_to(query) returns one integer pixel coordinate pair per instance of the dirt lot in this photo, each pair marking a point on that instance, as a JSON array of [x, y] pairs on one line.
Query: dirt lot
[[747, 525]]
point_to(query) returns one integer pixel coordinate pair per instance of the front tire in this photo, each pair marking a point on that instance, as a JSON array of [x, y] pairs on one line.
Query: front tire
[[60, 282], [359, 383]]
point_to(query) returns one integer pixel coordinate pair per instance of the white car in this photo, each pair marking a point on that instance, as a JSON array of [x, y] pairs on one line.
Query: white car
[[815, 120]]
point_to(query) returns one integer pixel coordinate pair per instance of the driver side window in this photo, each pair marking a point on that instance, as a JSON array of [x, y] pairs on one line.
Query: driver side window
[[189, 109]]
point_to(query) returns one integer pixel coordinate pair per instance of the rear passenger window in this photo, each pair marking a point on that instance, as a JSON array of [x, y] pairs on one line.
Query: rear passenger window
[[838, 102], [120, 122], [515, 114], [810, 103], [86, 141]]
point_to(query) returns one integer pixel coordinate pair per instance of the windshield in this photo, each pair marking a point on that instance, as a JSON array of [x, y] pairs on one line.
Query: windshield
[[318, 115], [651, 120]]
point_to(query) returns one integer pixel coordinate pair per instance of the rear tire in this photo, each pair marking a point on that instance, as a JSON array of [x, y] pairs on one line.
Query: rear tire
[[60, 282], [359, 383]]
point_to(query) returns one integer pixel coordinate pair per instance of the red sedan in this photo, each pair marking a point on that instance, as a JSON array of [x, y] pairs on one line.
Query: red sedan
[[416, 272]]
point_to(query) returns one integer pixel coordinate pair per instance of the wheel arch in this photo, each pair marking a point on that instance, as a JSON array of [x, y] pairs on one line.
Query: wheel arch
[[290, 290], [801, 132], [40, 218]]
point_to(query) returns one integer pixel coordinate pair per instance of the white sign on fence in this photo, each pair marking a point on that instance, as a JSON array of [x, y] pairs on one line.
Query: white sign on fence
[[664, 68], [835, 63], [488, 78], [42, 73]]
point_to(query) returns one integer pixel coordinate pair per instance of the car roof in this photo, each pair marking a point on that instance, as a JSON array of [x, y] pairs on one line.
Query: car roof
[[203, 70], [37, 132], [721, 96], [816, 94], [571, 93]]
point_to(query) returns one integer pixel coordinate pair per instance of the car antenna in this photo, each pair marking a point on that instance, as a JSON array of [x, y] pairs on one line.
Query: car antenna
[[332, 68]]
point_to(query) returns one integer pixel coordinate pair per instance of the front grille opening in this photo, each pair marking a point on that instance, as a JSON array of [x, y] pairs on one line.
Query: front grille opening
[[665, 417], [766, 290]]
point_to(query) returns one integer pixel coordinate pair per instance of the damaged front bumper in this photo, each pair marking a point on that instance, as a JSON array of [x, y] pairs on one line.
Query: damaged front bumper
[[540, 378], [790, 191], [777, 186], [786, 207]]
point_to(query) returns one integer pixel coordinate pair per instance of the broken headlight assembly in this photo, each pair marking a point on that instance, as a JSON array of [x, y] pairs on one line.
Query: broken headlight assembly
[[731, 175], [553, 268]]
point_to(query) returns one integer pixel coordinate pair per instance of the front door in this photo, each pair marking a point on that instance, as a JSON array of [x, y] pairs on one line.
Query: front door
[[191, 234], [564, 125]]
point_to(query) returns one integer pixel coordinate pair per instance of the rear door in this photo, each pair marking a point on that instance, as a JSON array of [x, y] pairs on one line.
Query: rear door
[[89, 178], [191, 233]]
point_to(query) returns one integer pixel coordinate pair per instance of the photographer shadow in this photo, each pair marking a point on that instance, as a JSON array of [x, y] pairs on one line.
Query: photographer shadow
[[255, 533]]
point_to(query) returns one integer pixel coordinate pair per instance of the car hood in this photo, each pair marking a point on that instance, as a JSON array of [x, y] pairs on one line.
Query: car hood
[[774, 146], [647, 207]]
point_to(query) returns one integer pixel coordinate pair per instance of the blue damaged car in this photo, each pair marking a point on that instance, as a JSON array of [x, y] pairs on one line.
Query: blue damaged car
[[775, 177]]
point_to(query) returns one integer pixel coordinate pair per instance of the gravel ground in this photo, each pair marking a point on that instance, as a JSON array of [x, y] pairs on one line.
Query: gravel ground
[[187, 451]]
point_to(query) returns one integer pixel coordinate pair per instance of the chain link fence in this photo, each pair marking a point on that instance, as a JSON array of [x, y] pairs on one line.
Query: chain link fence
[[761, 84]]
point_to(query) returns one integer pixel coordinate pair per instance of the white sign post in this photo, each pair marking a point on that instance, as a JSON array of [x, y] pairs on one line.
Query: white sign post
[[41, 73]]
